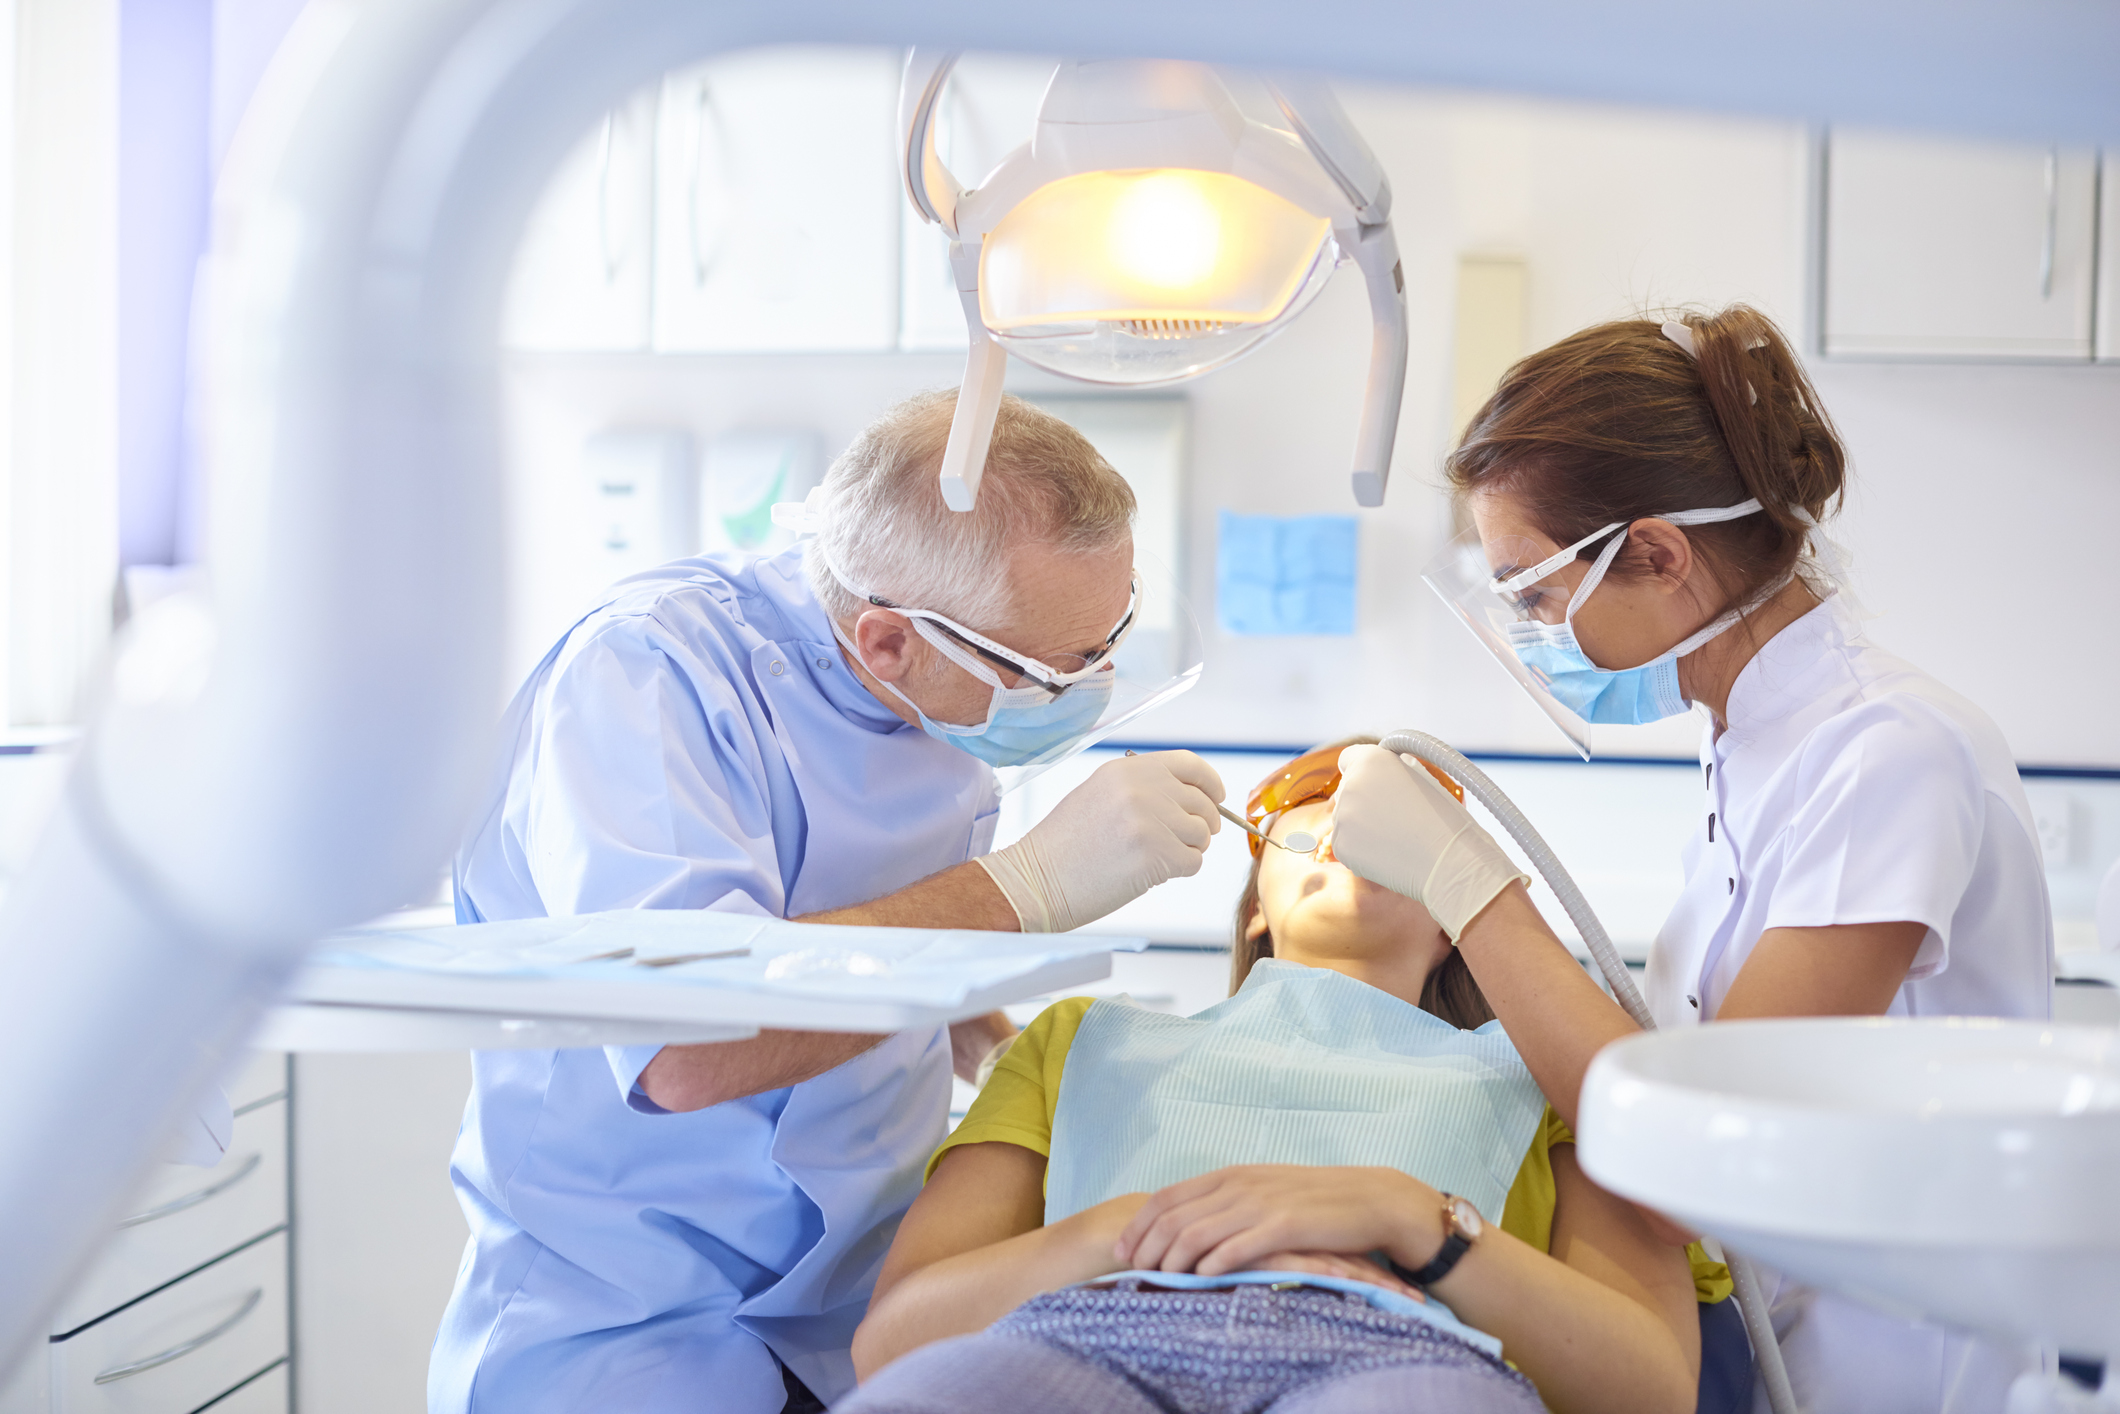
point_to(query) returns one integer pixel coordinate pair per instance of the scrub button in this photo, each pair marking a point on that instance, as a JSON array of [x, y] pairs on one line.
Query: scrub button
[[825, 663], [1693, 1001], [777, 668]]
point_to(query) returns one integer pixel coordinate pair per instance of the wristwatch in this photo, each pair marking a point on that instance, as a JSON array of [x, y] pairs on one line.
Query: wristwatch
[[1462, 1225]]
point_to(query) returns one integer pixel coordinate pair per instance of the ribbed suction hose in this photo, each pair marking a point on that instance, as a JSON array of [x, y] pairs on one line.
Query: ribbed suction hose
[[1751, 1301]]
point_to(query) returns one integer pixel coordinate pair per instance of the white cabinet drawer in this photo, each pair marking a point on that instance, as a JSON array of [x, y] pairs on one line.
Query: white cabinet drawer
[[179, 1348], [266, 1394], [188, 1216], [263, 1075]]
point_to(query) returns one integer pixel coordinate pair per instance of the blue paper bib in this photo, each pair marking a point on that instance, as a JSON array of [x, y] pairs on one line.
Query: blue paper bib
[[1301, 1066]]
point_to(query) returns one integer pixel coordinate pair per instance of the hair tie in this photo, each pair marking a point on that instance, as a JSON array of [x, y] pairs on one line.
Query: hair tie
[[1682, 335]]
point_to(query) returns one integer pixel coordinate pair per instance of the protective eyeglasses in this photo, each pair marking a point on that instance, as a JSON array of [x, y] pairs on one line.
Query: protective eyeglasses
[[1310, 778], [1054, 677], [1518, 589]]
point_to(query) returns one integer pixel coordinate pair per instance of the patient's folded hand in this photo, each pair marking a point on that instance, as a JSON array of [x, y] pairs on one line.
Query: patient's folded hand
[[1335, 1264], [1231, 1219]]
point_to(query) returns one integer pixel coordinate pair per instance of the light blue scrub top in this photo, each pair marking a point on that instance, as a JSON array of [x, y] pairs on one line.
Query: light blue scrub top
[[696, 742]]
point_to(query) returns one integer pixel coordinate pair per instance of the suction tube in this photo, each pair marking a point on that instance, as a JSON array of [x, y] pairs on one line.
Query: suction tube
[[1751, 1301]]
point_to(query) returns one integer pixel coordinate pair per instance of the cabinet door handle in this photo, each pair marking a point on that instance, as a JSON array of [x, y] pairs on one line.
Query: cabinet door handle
[[197, 1196], [178, 1352], [2053, 223]]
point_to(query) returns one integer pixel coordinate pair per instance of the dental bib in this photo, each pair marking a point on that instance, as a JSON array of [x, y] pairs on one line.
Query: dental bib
[[1301, 1066]]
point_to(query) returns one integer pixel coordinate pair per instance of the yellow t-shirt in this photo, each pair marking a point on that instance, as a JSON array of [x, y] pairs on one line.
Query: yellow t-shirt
[[1021, 1097]]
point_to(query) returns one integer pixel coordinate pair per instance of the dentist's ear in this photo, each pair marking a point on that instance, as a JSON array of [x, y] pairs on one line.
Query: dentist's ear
[[1665, 551], [887, 644]]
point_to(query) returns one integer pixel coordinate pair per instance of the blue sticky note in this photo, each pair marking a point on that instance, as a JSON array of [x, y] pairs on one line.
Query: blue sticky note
[[1285, 574]]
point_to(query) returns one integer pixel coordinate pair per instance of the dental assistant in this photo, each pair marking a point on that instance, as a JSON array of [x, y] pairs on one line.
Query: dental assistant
[[807, 735], [1647, 500]]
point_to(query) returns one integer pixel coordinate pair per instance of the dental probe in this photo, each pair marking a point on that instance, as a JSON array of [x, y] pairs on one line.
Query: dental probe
[[1299, 841]]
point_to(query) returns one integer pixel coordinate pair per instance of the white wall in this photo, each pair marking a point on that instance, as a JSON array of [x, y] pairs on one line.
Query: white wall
[[58, 424]]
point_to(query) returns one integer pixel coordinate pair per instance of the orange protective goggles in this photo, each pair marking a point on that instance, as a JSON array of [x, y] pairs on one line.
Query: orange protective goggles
[[1311, 777]]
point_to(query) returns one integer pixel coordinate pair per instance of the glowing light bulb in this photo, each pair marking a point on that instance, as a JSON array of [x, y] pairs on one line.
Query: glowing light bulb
[[1166, 232]]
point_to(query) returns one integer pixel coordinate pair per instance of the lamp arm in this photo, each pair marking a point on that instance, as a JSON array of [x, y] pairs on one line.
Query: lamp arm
[[979, 398], [1376, 254], [1312, 110], [928, 184]]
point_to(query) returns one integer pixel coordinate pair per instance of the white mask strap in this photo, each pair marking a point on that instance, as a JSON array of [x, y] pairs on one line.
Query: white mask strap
[[1708, 516]]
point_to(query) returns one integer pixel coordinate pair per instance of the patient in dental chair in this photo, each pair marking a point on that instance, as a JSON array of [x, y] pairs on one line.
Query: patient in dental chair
[[1339, 1190]]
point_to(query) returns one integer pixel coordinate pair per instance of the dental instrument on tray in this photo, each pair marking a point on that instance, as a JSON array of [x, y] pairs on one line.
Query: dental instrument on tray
[[1432, 751]]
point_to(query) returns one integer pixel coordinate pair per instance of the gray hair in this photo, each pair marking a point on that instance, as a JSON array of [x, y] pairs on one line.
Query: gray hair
[[888, 531]]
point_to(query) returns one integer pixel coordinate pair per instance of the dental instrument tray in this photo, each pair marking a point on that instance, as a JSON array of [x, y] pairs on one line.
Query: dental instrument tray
[[692, 967]]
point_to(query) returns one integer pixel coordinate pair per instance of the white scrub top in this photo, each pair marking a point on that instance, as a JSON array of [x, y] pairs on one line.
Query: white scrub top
[[1850, 787], [696, 742]]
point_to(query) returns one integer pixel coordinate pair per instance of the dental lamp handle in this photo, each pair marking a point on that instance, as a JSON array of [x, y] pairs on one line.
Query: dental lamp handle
[[1376, 254], [979, 398]]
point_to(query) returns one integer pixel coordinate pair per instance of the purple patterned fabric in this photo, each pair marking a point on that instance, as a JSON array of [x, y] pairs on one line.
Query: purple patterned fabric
[[1247, 1350]]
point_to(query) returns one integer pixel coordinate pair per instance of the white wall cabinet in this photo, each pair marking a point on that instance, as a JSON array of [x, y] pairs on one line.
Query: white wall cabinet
[[988, 110], [1943, 249], [777, 204], [582, 276]]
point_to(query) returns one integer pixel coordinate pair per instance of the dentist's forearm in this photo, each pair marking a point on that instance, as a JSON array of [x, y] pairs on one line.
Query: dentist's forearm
[[961, 897], [683, 1078], [1555, 1015], [972, 1290]]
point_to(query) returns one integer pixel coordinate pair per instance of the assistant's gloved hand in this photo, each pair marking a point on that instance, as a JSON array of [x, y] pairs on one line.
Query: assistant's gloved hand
[[1135, 823], [1395, 826]]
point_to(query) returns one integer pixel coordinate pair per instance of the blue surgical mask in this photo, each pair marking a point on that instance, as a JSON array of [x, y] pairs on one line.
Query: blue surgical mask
[[1604, 696], [1648, 692], [1023, 724]]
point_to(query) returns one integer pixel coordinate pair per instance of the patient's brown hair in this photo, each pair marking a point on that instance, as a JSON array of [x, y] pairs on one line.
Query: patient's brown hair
[[1450, 992]]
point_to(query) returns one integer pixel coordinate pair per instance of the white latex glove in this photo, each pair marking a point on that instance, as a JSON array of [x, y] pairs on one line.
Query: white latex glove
[[1394, 825], [1135, 823]]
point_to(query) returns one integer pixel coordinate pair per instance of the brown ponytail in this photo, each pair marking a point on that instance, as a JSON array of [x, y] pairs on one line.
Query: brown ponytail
[[1619, 423]]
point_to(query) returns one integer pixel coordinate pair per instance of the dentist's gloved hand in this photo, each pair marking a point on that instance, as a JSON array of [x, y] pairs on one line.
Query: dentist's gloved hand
[[1394, 825], [1135, 823]]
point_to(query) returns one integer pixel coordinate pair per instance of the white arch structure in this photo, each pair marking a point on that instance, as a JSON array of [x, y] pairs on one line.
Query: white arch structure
[[298, 753]]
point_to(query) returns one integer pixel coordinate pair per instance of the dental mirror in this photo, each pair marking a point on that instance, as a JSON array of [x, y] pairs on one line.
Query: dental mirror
[[1298, 841]]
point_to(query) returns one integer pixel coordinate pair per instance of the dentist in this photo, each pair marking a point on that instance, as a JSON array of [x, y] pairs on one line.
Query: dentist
[[806, 735], [1647, 500]]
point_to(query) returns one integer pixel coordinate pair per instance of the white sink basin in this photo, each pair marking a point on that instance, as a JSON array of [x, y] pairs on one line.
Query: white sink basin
[[1961, 1170]]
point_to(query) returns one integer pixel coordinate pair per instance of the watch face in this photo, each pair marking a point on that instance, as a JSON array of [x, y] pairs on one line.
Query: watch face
[[1468, 1217]]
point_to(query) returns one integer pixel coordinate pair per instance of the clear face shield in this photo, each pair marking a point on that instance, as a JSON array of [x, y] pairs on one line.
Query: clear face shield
[[1158, 658], [1044, 710], [1520, 600], [1467, 580]]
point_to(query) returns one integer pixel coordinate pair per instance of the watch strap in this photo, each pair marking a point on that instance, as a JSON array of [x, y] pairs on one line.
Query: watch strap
[[1455, 1244]]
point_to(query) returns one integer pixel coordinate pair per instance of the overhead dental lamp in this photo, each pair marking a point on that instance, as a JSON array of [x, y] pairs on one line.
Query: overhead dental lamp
[[1150, 231]]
